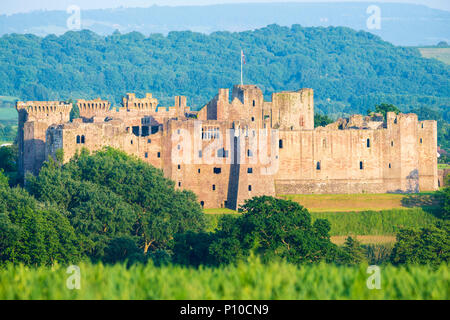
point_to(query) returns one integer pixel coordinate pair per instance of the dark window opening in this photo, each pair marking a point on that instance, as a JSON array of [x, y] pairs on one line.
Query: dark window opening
[[131, 141], [368, 143], [78, 139], [82, 140], [249, 170], [135, 130], [392, 143], [145, 131], [155, 129], [198, 170], [253, 118], [318, 165], [222, 153], [214, 187], [389, 165], [200, 153], [159, 154], [179, 167], [250, 187], [179, 183], [149, 141], [280, 144], [217, 170], [202, 203], [254, 102], [361, 165], [421, 140], [249, 153], [146, 154]]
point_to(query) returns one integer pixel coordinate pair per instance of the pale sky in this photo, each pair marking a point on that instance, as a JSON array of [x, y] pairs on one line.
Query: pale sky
[[16, 6]]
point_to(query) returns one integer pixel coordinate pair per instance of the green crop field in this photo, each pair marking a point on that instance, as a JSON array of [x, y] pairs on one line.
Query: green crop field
[[250, 280], [442, 54]]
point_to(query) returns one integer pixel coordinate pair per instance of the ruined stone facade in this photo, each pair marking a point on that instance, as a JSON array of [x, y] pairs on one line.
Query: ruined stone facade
[[241, 146]]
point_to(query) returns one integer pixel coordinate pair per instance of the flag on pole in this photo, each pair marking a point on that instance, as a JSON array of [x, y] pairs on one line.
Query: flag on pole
[[242, 63]]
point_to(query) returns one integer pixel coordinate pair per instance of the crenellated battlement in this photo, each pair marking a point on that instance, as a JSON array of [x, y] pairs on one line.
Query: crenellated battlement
[[43, 108], [89, 108], [130, 102]]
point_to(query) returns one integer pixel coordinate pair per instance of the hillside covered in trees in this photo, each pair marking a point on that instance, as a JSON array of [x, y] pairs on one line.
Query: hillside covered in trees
[[350, 71]]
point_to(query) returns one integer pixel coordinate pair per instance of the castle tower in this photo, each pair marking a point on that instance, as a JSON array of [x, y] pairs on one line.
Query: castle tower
[[293, 110], [93, 108], [34, 119]]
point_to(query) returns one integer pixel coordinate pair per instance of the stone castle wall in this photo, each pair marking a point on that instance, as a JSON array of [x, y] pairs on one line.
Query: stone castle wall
[[241, 146]]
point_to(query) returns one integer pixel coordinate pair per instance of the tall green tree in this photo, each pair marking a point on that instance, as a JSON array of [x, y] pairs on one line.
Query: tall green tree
[[34, 233], [429, 245], [273, 228]]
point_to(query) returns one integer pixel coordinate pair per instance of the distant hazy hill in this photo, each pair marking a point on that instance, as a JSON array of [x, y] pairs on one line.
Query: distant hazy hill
[[402, 24]]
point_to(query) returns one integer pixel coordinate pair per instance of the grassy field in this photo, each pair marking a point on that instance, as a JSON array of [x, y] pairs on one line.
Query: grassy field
[[442, 54], [372, 218], [443, 166], [250, 280], [372, 239], [351, 202], [370, 227], [371, 223], [219, 211], [8, 114], [357, 202]]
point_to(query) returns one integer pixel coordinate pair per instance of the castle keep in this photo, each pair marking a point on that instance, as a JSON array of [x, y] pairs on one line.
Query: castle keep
[[239, 146]]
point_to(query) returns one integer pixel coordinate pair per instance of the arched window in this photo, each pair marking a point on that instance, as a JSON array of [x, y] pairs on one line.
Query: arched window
[[83, 140], [318, 165], [361, 165], [78, 140], [280, 144], [368, 143]]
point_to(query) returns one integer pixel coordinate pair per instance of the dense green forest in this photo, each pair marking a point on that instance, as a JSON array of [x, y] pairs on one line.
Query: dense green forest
[[350, 71], [110, 207]]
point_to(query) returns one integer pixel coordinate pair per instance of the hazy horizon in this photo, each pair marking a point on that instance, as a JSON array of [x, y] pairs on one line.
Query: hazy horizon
[[24, 6]]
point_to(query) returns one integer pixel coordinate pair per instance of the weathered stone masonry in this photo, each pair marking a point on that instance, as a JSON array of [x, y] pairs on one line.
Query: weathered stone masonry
[[200, 150]]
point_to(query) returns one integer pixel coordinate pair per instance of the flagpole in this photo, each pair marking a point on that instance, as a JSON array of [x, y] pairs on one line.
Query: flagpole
[[242, 79]]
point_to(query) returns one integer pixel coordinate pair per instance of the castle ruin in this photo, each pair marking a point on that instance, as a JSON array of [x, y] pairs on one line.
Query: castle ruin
[[241, 146]]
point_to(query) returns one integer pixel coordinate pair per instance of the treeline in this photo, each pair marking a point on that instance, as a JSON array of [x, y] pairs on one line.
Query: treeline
[[109, 207], [350, 71]]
